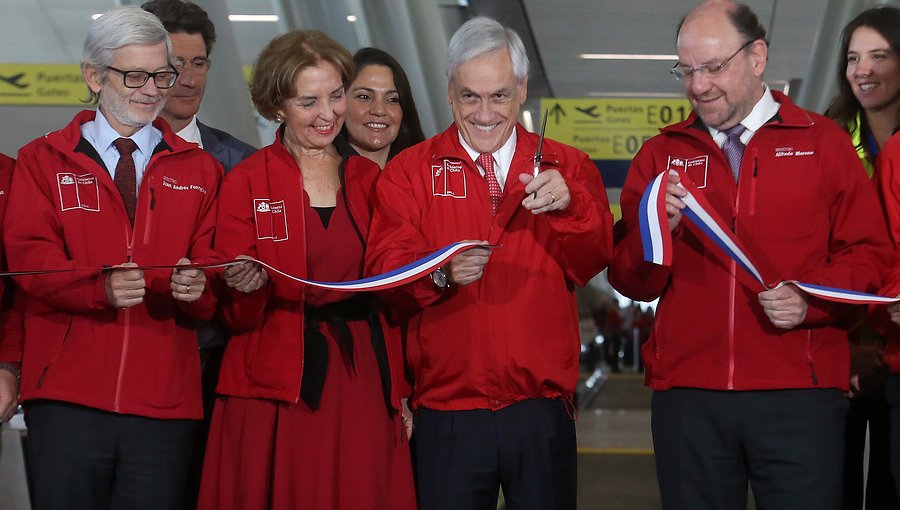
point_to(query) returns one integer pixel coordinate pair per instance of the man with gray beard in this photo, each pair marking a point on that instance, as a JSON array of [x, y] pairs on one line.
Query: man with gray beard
[[110, 375]]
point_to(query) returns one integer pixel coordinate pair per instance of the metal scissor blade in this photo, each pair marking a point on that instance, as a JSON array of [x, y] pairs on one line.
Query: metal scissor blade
[[540, 147]]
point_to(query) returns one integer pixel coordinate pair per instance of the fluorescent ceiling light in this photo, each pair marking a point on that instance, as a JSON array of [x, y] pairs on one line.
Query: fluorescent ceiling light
[[95, 16], [625, 56], [351, 18], [266, 18]]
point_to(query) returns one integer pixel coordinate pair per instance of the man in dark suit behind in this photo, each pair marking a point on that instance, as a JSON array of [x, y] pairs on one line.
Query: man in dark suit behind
[[193, 34]]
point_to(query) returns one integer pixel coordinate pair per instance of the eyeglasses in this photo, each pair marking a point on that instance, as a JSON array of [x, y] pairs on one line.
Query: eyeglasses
[[198, 64], [683, 72], [137, 79]]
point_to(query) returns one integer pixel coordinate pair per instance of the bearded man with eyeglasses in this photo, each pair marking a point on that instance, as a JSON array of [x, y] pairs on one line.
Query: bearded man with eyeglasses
[[749, 382], [110, 373]]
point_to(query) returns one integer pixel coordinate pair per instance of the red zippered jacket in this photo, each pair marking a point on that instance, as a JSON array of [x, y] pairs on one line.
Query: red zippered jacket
[[11, 310], [888, 174], [66, 213], [513, 334], [265, 353], [803, 208]]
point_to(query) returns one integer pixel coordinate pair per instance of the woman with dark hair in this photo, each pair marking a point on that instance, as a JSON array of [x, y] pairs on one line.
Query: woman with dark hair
[[868, 100], [867, 106], [308, 411], [382, 119]]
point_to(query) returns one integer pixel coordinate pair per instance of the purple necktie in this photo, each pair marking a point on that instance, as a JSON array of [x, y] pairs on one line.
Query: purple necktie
[[125, 177], [734, 148]]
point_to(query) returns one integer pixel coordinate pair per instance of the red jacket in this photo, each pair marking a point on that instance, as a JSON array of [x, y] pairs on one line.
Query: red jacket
[[513, 334], [803, 208], [264, 355], [10, 310], [888, 174], [66, 212]]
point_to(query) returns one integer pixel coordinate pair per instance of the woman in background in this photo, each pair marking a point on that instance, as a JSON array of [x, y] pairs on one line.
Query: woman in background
[[382, 119], [867, 106]]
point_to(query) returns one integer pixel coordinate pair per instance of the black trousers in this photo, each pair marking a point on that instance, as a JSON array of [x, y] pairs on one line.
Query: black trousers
[[869, 412], [788, 444], [464, 457], [81, 458], [892, 394]]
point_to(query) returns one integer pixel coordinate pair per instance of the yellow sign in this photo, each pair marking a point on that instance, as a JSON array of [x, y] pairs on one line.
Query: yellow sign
[[611, 128], [42, 84]]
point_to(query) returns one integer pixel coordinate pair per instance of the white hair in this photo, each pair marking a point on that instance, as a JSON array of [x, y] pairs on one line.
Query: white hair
[[480, 36]]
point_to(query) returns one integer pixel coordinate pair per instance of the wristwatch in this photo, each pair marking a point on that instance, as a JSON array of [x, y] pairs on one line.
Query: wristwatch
[[439, 277]]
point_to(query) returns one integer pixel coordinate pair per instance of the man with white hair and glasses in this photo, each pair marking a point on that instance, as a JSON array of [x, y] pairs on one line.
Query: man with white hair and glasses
[[110, 371]]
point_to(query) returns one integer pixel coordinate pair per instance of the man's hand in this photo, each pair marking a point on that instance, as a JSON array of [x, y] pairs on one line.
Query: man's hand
[[894, 311], [785, 306], [674, 204], [551, 190], [125, 287], [246, 277], [187, 284], [9, 395], [468, 266], [407, 416]]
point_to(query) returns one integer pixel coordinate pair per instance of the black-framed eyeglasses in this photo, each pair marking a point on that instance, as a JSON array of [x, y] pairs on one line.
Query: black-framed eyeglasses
[[683, 72], [137, 79], [197, 64]]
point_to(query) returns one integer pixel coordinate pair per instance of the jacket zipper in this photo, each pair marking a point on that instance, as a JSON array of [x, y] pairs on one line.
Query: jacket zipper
[[732, 283], [303, 324], [129, 235]]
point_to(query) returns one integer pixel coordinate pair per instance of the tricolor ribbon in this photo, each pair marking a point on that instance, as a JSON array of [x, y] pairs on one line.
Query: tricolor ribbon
[[397, 277], [657, 239]]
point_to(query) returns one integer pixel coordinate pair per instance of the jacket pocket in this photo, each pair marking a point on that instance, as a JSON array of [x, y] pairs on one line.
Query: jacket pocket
[[56, 353]]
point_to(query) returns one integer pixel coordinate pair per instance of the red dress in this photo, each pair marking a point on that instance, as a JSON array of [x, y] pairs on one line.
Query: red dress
[[347, 454]]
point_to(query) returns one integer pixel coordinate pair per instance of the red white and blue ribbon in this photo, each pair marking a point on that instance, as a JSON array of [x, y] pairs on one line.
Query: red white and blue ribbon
[[657, 239], [397, 277]]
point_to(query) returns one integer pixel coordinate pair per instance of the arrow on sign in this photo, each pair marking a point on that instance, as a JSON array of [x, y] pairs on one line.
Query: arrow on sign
[[556, 112]]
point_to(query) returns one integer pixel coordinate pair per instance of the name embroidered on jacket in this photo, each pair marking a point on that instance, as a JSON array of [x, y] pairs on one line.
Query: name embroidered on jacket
[[781, 152], [171, 183]]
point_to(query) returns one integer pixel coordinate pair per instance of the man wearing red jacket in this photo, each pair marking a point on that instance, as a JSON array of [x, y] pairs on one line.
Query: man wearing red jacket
[[749, 382], [10, 316], [493, 337], [110, 370]]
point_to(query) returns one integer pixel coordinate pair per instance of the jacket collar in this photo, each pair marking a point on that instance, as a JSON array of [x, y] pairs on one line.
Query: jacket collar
[[789, 116], [68, 139]]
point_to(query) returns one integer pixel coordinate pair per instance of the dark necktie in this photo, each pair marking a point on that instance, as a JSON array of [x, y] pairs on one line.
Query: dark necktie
[[734, 149], [125, 178], [486, 160]]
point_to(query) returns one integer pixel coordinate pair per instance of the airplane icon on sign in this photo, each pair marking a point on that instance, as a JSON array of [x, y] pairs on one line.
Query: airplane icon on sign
[[589, 111], [14, 80]]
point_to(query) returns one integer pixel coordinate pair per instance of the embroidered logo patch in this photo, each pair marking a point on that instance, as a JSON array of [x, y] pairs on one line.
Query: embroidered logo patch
[[270, 219], [78, 192], [448, 179], [696, 168]]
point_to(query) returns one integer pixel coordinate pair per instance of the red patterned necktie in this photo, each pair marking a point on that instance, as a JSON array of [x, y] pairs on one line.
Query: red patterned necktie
[[125, 178], [486, 160]]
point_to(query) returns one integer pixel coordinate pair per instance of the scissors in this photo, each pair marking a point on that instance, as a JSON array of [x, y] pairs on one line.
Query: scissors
[[537, 153]]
